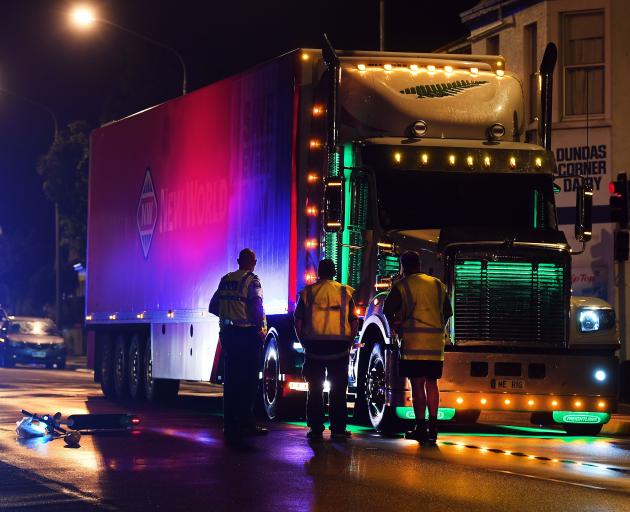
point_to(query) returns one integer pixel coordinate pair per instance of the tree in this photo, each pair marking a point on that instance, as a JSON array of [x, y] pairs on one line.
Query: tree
[[64, 169]]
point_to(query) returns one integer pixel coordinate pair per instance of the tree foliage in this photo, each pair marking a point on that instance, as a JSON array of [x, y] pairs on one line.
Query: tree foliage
[[64, 169]]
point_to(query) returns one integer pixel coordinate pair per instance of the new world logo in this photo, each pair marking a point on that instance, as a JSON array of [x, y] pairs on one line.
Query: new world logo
[[147, 213]]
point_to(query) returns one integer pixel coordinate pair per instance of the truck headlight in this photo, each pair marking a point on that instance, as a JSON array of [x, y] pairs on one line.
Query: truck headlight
[[595, 319]]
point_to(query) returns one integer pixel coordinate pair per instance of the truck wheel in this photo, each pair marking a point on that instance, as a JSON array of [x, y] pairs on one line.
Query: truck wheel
[[271, 390], [136, 369], [582, 430], [157, 390], [121, 368], [107, 367], [382, 416]]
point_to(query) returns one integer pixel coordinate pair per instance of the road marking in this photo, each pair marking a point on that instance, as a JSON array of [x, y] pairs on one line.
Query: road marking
[[535, 477]]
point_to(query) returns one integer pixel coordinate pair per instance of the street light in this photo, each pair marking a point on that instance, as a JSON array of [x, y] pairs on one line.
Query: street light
[[84, 17]]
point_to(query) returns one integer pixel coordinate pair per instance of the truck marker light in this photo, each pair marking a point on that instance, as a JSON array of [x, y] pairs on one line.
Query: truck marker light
[[311, 243], [538, 162], [512, 162], [500, 73], [312, 211], [382, 286], [578, 403], [424, 159], [451, 160], [499, 63], [459, 400], [88, 317], [470, 161], [333, 224], [397, 157], [326, 386], [385, 245], [112, 316], [414, 68], [305, 56], [448, 69], [361, 67], [474, 71], [431, 68], [507, 401], [359, 311], [486, 162], [140, 316], [387, 67], [312, 177], [170, 313], [554, 403], [310, 277], [315, 144], [601, 405], [600, 375], [334, 183], [318, 110], [530, 402], [298, 386], [483, 401]]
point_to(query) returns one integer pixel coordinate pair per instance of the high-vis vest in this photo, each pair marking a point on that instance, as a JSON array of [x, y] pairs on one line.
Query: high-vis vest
[[326, 306], [233, 290], [422, 327]]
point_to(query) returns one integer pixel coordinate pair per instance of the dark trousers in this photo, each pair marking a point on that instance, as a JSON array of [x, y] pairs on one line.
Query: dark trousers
[[314, 372], [242, 347]]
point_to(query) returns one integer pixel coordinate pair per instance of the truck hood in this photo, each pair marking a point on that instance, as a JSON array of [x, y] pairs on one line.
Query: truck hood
[[443, 239]]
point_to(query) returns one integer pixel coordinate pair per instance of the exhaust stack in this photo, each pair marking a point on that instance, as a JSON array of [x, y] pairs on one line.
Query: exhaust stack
[[546, 92]]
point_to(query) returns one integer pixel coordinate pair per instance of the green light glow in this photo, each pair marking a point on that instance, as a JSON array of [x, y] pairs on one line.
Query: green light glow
[[348, 163], [581, 418], [407, 413], [356, 429]]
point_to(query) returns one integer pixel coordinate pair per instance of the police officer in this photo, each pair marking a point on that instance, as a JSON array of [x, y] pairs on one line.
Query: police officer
[[326, 324], [238, 302], [417, 308]]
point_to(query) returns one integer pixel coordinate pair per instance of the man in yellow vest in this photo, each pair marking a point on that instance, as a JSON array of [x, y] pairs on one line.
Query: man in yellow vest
[[238, 302], [326, 324], [417, 309]]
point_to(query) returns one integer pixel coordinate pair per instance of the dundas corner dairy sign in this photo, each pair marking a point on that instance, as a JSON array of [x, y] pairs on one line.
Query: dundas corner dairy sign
[[586, 159]]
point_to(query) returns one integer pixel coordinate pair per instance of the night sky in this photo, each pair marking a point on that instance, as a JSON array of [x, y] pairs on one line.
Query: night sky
[[103, 73]]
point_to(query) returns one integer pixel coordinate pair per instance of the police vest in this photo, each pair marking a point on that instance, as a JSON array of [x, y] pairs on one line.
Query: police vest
[[422, 327], [233, 290], [326, 305]]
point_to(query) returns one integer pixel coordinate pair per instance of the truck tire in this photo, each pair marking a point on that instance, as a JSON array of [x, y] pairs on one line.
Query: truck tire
[[136, 368], [582, 430], [156, 390], [106, 366], [382, 416], [121, 368]]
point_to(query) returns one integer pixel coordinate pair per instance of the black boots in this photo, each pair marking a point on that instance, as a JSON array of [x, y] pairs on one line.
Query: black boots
[[424, 433], [432, 431]]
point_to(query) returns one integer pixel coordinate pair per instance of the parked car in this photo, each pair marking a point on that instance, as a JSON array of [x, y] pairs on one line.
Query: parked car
[[32, 340]]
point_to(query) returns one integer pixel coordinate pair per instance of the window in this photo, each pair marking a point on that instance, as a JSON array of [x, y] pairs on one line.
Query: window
[[492, 45], [584, 62], [531, 69]]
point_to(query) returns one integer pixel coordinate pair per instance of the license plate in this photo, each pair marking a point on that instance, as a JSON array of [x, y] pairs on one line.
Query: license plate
[[508, 384], [39, 354]]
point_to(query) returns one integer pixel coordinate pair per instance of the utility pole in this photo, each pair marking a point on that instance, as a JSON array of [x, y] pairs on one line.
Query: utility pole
[[381, 25]]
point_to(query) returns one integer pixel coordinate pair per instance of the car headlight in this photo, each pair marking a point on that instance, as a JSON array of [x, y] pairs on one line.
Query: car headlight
[[595, 319]]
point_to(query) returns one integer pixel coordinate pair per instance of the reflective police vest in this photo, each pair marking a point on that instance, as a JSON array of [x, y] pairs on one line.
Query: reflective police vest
[[233, 290], [326, 304], [422, 327]]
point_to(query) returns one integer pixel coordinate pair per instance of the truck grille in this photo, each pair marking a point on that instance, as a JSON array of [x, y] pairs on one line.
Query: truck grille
[[509, 302]]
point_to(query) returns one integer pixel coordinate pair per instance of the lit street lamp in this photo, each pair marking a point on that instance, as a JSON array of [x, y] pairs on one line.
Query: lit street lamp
[[84, 17]]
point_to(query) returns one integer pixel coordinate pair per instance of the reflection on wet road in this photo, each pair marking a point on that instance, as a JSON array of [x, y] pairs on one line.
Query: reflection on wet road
[[178, 460]]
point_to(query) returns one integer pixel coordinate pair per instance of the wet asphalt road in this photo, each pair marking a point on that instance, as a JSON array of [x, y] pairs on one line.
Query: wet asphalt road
[[177, 460]]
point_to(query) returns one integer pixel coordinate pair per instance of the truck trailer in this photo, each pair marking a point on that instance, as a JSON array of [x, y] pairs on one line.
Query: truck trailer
[[354, 156]]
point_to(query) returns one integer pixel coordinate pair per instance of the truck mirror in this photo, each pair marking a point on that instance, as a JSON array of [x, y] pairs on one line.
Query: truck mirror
[[583, 214], [333, 204]]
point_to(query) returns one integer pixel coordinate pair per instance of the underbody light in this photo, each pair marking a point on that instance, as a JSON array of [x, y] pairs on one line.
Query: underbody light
[[584, 418], [387, 67], [431, 68], [407, 413], [358, 311], [474, 71], [361, 67], [413, 67], [448, 69]]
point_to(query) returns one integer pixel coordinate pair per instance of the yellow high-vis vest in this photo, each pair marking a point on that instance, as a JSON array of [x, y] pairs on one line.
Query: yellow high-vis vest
[[422, 327], [233, 290], [326, 305]]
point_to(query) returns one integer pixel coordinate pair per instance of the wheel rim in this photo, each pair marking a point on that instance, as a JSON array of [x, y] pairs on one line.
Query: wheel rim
[[375, 390], [134, 370], [270, 378], [119, 368], [148, 376]]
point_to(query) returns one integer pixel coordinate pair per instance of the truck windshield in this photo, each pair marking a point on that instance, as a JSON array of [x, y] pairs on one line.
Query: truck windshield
[[423, 200]]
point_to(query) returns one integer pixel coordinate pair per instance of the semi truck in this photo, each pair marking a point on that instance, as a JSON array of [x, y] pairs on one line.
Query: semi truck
[[355, 156]]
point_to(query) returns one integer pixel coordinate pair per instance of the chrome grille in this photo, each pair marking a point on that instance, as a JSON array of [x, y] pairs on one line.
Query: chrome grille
[[509, 302]]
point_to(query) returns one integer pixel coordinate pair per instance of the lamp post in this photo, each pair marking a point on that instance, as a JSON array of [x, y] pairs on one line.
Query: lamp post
[[53, 117], [84, 17]]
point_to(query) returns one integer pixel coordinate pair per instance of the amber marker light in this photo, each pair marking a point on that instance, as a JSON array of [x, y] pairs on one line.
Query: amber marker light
[[318, 110], [424, 159], [414, 67], [507, 401], [470, 161], [387, 67], [578, 403], [361, 67], [312, 177], [88, 317], [474, 71], [601, 405], [500, 72], [530, 402], [483, 401], [512, 162], [459, 400], [397, 157], [305, 56], [538, 162], [448, 69], [311, 210], [554, 403], [310, 277], [315, 144], [83, 16], [311, 243], [486, 162], [431, 68], [451, 160]]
